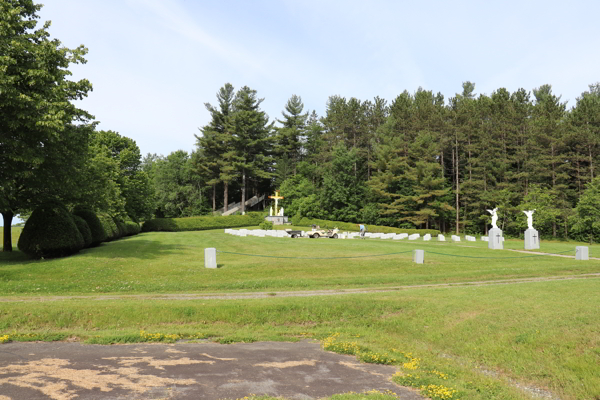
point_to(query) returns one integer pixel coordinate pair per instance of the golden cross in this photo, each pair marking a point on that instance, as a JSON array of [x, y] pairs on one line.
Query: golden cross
[[276, 197]]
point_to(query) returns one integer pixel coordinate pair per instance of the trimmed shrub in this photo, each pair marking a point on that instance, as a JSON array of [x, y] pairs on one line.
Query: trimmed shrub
[[202, 223], [120, 227], [349, 226], [84, 229], [50, 232], [266, 225], [96, 228], [112, 232], [133, 228]]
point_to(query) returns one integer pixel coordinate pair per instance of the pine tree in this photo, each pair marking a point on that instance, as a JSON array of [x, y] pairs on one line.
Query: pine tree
[[288, 138], [215, 146], [251, 143]]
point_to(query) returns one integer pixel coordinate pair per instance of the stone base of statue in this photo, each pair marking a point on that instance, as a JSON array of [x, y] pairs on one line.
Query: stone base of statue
[[532, 239], [277, 219], [495, 241]]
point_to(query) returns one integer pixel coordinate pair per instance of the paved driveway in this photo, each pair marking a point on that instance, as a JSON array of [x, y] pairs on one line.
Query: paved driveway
[[65, 371]]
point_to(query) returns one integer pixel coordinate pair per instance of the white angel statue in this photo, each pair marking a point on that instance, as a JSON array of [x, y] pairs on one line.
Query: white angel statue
[[494, 217], [529, 218]]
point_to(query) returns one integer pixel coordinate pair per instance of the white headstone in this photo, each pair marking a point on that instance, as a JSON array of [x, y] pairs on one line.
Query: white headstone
[[455, 238], [418, 256], [532, 239], [582, 253], [496, 241], [485, 239], [403, 235], [470, 238], [441, 238], [210, 257], [427, 237], [414, 236], [243, 232]]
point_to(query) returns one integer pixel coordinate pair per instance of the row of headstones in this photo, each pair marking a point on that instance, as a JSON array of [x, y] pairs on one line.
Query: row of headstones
[[352, 235], [256, 232], [345, 235]]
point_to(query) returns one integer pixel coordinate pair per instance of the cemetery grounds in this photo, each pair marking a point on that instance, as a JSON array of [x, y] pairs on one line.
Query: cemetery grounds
[[469, 323]]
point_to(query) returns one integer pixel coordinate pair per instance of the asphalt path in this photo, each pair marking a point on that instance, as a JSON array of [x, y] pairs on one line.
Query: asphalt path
[[69, 371]]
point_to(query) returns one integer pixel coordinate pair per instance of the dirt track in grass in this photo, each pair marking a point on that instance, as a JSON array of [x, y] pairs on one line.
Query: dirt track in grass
[[305, 293]]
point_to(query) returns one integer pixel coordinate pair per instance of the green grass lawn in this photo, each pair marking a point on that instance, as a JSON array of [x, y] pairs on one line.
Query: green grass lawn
[[174, 262], [16, 231], [477, 340]]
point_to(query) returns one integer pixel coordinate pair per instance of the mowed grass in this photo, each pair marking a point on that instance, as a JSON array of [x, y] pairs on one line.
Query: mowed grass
[[174, 263], [479, 340], [543, 335], [15, 232]]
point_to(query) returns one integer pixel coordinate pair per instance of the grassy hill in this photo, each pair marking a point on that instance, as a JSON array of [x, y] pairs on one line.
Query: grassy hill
[[439, 326]]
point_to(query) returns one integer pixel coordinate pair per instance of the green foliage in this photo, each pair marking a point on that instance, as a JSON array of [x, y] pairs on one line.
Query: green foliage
[[343, 191], [84, 229], [129, 189], [109, 226], [587, 213], [50, 232], [96, 227], [121, 228], [43, 135], [178, 187], [544, 202], [202, 223], [132, 228], [352, 227], [266, 225], [294, 190]]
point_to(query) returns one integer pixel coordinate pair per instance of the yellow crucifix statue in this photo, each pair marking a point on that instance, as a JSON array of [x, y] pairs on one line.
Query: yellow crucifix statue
[[276, 197]]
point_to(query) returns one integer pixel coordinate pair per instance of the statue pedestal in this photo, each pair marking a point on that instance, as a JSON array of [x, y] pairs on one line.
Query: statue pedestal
[[277, 219], [496, 241], [532, 239]]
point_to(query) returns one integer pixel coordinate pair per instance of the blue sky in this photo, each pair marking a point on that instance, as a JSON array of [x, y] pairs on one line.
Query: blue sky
[[154, 63]]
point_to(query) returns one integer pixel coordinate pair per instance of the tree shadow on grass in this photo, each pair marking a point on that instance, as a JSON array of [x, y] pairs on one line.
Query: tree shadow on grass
[[142, 249]]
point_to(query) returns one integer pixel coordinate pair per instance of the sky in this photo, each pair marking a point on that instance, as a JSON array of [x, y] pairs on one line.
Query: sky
[[155, 63]]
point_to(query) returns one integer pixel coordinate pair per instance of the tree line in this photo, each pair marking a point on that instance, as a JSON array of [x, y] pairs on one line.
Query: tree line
[[421, 161]]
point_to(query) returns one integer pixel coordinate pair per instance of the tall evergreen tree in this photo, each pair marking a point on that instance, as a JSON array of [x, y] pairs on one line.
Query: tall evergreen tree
[[549, 129], [251, 140], [214, 147], [288, 138]]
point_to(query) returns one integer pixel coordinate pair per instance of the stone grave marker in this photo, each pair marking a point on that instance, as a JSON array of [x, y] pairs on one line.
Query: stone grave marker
[[418, 256]]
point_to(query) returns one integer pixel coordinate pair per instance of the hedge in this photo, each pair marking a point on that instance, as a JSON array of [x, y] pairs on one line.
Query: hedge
[[132, 228], [84, 229], [98, 233], [50, 232], [202, 223], [111, 229], [349, 226]]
